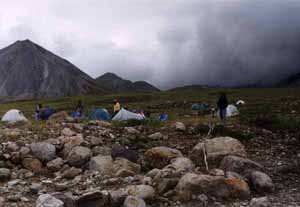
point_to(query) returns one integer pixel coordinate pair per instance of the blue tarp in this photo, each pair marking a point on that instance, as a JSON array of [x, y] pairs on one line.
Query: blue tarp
[[163, 117]]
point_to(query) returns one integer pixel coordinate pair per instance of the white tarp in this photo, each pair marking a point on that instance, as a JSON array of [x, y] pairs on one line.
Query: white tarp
[[13, 115], [123, 115], [231, 110]]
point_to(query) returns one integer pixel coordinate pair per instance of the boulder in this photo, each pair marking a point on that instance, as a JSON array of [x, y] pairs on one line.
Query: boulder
[[260, 202], [159, 157], [181, 164], [119, 151], [124, 168], [217, 186], [95, 141], [104, 151], [102, 164], [179, 126], [45, 152], [4, 174], [59, 117], [68, 132], [239, 165], [55, 165], [261, 182], [71, 173], [156, 136], [145, 192], [32, 164], [131, 130], [78, 156], [133, 201], [94, 199], [47, 200], [216, 149]]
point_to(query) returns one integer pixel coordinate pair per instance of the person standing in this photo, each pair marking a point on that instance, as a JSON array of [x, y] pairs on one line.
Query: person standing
[[117, 107], [38, 109], [222, 105], [80, 108]]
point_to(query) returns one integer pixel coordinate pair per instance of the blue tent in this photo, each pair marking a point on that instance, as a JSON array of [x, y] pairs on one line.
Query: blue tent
[[99, 114], [164, 117], [46, 113], [199, 107]]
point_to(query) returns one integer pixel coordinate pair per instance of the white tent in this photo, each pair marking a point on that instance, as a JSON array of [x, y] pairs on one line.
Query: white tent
[[231, 110], [13, 115], [240, 102], [123, 115]]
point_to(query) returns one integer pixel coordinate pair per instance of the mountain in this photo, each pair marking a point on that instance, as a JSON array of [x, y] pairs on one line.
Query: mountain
[[192, 88], [29, 71], [111, 81]]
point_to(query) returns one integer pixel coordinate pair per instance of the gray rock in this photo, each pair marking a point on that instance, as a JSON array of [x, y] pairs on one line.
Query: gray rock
[[78, 156], [68, 132], [55, 165], [131, 130], [181, 164], [47, 200], [4, 174], [102, 164], [216, 149], [119, 151], [261, 182], [239, 165], [145, 192], [94, 199], [43, 151], [133, 201], [104, 151], [179, 126], [260, 202], [156, 136], [71, 173]]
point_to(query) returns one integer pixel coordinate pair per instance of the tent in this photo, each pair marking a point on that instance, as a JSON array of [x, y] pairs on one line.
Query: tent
[[99, 114], [240, 102], [199, 107], [13, 115], [45, 113], [231, 110], [124, 115], [164, 117]]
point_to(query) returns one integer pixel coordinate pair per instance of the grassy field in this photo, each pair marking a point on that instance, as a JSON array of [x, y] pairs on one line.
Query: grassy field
[[267, 103]]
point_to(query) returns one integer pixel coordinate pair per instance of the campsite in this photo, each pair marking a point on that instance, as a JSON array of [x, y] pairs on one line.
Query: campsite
[[264, 126]]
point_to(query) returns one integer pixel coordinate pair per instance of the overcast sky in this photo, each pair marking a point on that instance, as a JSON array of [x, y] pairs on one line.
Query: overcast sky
[[166, 42]]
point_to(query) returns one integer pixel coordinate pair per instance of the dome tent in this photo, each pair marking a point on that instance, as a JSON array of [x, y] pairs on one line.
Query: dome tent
[[13, 115], [240, 102], [231, 110], [99, 114], [124, 115]]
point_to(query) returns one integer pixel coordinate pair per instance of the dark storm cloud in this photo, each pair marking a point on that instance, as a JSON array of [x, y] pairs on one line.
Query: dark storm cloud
[[237, 42], [170, 42]]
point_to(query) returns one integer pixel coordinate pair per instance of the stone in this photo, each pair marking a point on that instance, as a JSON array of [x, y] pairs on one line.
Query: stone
[[68, 132], [78, 156], [261, 182], [181, 164], [94, 199], [230, 174], [121, 164], [239, 165], [164, 185], [4, 174], [220, 187], [67, 198], [159, 157], [118, 197], [43, 151], [156, 136], [260, 202], [153, 173], [216, 149], [102, 164], [35, 187], [24, 151], [47, 200], [74, 140], [104, 151], [131, 130], [96, 141], [133, 201], [71, 173], [217, 172], [58, 117], [55, 165], [32, 164], [145, 192], [179, 126], [119, 151]]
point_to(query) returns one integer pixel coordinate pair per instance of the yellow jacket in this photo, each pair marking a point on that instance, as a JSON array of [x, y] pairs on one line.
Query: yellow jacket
[[117, 107]]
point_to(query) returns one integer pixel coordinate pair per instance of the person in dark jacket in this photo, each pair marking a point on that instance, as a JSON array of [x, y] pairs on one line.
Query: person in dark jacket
[[80, 108], [222, 105]]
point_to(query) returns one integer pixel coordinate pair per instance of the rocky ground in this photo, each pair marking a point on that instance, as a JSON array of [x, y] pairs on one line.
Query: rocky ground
[[93, 164]]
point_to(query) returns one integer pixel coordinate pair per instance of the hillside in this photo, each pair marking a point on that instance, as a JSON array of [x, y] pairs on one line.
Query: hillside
[[113, 82], [29, 71]]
